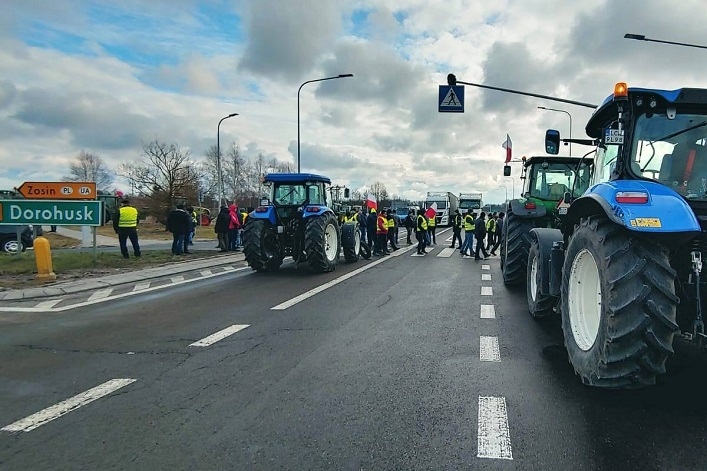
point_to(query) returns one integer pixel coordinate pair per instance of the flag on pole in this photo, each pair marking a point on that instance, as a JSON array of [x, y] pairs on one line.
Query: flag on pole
[[508, 145], [371, 201], [431, 211]]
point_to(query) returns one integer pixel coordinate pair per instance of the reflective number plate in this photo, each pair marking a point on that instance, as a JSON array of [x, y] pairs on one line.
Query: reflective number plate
[[614, 136]]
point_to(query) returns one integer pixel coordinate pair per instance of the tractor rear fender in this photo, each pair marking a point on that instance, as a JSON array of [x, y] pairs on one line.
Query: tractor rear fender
[[265, 212], [519, 209], [315, 210], [664, 212], [545, 238], [348, 232]]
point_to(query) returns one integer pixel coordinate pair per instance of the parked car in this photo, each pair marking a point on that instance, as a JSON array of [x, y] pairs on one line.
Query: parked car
[[8, 237]]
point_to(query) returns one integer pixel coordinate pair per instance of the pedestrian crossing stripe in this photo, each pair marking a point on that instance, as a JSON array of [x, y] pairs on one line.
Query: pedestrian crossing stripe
[[446, 252], [417, 255]]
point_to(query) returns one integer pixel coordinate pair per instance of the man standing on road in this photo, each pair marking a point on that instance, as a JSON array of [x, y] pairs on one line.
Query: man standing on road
[[371, 222], [410, 225], [480, 233], [421, 232], [125, 225], [382, 234], [363, 225], [393, 229], [221, 228], [234, 227], [178, 223], [499, 233], [456, 229], [491, 231], [432, 229], [468, 234]]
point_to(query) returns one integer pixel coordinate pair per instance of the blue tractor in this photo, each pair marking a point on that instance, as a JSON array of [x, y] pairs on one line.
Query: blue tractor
[[296, 220], [625, 270]]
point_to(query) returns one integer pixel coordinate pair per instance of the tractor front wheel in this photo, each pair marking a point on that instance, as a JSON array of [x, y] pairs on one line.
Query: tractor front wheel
[[515, 248], [618, 305], [322, 242], [539, 305]]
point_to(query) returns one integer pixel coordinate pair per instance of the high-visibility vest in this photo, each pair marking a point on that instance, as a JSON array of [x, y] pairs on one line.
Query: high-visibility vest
[[469, 223], [432, 222], [381, 225], [491, 225], [244, 215], [128, 217], [391, 223], [421, 223], [457, 221]]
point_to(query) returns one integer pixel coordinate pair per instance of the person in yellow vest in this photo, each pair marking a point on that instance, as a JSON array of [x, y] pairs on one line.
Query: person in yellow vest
[[392, 235], [381, 234], [469, 226], [421, 232], [125, 225], [432, 228], [491, 231]]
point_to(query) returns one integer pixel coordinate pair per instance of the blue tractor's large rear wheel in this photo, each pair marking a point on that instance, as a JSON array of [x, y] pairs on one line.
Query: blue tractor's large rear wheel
[[261, 245], [322, 242], [618, 305]]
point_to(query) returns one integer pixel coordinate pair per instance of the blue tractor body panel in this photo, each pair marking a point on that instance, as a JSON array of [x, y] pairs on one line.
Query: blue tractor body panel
[[665, 212], [268, 213]]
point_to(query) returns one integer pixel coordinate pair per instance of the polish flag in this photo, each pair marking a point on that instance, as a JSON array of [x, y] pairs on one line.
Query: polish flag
[[431, 211], [508, 145], [371, 201]]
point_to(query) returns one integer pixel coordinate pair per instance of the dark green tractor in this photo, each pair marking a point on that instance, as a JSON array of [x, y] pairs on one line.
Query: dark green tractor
[[547, 181]]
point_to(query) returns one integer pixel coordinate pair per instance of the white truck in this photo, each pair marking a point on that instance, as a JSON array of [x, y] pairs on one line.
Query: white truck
[[447, 202], [470, 202]]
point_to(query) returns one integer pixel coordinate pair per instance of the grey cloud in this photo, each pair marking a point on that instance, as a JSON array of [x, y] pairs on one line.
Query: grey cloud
[[286, 38], [7, 93]]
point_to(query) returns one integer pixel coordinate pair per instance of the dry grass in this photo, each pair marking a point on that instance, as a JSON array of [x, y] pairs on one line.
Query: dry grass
[[156, 231]]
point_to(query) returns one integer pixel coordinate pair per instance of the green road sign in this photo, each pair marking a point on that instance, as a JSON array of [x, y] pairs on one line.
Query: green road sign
[[51, 213]]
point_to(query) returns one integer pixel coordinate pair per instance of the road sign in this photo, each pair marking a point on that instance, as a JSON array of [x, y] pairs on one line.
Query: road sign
[[51, 213], [58, 190], [451, 99]]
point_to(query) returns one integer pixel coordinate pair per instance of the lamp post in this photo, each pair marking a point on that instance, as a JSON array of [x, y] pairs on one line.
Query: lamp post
[[641, 37], [218, 157], [506, 188], [513, 181], [561, 111], [298, 91]]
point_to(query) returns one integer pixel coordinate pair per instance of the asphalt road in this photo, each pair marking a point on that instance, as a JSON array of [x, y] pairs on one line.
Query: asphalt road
[[380, 371]]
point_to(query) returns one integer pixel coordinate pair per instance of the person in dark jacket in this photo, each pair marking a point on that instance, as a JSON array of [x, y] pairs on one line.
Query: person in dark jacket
[[456, 229], [479, 235], [221, 228], [179, 224], [371, 226], [499, 232], [410, 225], [363, 225]]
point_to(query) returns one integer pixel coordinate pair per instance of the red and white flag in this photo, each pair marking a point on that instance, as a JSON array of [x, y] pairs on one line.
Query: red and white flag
[[508, 145], [431, 211], [371, 201]]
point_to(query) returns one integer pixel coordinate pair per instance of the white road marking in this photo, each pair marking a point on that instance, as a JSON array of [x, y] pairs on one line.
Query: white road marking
[[486, 291], [488, 349], [417, 255], [488, 311], [446, 252], [220, 335], [100, 294], [117, 296], [335, 281], [485, 267], [177, 279], [141, 286], [205, 272], [229, 268], [66, 406], [48, 304], [485, 277], [494, 439]]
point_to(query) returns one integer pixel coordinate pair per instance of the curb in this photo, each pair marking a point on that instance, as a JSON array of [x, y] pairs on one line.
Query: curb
[[78, 286]]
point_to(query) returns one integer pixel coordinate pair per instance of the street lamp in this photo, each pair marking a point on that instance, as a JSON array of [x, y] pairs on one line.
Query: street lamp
[[300, 89], [641, 37], [506, 188], [513, 187], [568, 114], [218, 157]]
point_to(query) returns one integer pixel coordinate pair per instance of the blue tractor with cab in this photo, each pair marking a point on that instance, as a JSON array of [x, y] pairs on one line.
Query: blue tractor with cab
[[625, 270], [297, 220]]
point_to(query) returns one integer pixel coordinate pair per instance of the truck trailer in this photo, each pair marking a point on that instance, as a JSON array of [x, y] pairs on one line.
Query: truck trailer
[[447, 202]]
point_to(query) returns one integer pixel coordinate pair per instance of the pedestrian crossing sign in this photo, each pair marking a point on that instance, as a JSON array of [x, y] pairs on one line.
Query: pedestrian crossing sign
[[451, 99]]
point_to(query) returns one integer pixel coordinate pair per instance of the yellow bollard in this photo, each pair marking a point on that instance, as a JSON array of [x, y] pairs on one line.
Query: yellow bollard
[[43, 256]]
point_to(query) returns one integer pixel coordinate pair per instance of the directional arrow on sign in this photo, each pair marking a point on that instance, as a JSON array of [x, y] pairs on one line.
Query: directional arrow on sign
[[58, 190]]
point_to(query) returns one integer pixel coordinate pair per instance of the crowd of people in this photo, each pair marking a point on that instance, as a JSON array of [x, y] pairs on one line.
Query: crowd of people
[[381, 231]]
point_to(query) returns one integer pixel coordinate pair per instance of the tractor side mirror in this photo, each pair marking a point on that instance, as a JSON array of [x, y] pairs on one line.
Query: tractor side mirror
[[506, 170], [347, 193], [567, 198], [552, 141]]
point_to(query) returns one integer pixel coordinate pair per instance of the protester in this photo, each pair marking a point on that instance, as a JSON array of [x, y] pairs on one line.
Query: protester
[[125, 225], [234, 228], [221, 228], [179, 224]]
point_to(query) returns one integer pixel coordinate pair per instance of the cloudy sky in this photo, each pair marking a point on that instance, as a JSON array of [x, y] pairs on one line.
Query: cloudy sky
[[104, 76]]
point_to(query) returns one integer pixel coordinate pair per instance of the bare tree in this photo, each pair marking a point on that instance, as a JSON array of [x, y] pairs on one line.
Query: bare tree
[[89, 167], [379, 191], [234, 169], [164, 172]]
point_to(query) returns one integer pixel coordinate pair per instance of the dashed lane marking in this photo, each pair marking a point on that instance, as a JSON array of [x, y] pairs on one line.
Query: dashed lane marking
[[48, 304], [485, 277], [488, 311], [64, 407], [205, 272], [494, 438], [177, 279], [488, 349], [446, 252], [141, 286], [100, 294], [89, 302], [220, 335], [486, 291], [485, 267]]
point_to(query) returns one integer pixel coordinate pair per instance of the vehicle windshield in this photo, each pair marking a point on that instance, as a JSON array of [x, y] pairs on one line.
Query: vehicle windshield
[[672, 152], [440, 204], [469, 204], [552, 181]]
